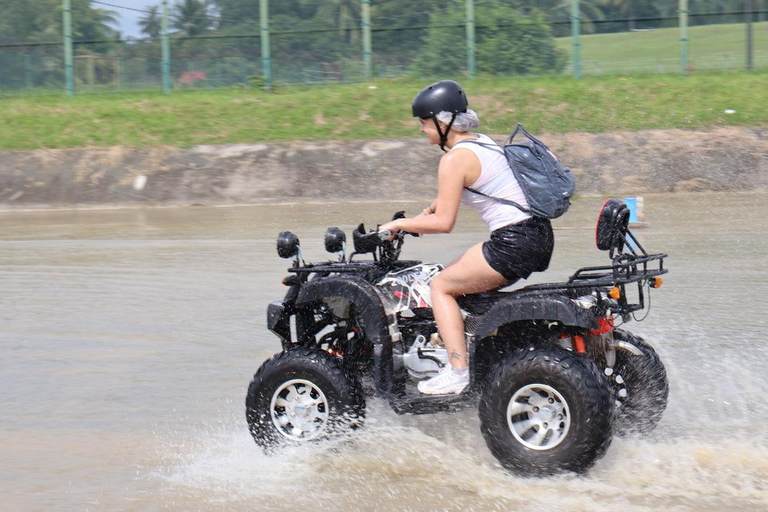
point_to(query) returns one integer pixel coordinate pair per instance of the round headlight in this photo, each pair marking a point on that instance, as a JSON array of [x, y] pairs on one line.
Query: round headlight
[[334, 240], [287, 244]]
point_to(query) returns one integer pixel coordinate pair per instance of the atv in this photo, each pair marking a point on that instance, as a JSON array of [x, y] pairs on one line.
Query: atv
[[552, 373]]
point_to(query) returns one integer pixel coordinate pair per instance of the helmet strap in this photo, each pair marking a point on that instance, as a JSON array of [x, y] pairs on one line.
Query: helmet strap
[[444, 136]]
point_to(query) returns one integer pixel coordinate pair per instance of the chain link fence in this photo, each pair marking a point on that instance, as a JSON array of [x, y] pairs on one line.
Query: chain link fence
[[413, 39]]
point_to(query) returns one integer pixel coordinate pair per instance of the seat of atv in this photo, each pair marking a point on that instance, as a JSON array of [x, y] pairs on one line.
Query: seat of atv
[[480, 303]]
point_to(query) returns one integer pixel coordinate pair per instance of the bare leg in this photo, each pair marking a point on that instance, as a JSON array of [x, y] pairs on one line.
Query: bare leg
[[469, 274]]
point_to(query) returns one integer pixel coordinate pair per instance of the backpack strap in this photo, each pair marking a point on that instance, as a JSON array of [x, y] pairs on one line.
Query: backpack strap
[[503, 201], [495, 147], [492, 147], [520, 128]]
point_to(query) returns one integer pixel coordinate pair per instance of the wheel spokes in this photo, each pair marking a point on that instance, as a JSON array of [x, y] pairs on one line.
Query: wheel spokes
[[538, 416], [517, 408], [538, 437], [299, 410]]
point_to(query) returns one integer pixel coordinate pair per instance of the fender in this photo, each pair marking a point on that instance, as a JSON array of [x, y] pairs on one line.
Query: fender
[[380, 325], [553, 308]]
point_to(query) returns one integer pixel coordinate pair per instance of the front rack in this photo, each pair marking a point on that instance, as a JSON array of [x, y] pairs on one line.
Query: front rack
[[343, 267]]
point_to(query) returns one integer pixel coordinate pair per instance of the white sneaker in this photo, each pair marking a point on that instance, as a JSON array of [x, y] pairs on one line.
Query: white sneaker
[[447, 382]]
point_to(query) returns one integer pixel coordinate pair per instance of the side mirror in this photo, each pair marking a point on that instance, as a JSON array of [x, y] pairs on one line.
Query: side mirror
[[287, 245], [335, 240]]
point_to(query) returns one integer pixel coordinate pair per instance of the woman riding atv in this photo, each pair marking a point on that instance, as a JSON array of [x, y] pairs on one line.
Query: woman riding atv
[[519, 244]]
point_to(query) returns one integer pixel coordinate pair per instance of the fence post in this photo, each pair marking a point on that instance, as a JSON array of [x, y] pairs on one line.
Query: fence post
[[367, 55], [166, 51], [750, 11], [120, 71], [471, 67], [682, 9], [576, 30], [27, 71], [68, 65], [266, 63]]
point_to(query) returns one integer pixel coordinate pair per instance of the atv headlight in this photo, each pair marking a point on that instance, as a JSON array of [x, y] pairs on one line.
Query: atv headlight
[[287, 244]]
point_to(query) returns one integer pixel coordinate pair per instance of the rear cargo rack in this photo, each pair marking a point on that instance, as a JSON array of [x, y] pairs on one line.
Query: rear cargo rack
[[624, 270], [630, 263]]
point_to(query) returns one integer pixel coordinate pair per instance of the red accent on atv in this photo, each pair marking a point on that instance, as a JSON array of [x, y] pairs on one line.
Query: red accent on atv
[[605, 324]]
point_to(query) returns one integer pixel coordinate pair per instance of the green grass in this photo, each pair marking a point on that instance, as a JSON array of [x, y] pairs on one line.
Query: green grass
[[357, 111], [710, 47]]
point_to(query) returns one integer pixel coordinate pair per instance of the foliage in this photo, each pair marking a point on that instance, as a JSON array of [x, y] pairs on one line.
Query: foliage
[[151, 22], [41, 20], [507, 42], [36, 21], [320, 40], [191, 18], [559, 13]]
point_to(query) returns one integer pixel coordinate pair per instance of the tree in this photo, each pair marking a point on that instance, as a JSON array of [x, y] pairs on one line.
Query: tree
[[89, 23], [191, 18], [343, 13], [399, 43], [507, 42], [151, 24], [41, 20]]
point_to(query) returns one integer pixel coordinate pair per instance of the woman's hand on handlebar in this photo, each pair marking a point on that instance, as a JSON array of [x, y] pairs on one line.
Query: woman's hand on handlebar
[[392, 227]]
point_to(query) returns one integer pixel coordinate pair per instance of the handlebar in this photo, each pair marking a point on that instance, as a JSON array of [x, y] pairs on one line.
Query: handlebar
[[382, 244]]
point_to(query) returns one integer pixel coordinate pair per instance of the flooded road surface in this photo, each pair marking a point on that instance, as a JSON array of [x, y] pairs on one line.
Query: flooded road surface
[[128, 339]]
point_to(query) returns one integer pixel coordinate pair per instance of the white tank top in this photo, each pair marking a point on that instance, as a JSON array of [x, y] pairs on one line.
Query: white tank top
[[497, 180]]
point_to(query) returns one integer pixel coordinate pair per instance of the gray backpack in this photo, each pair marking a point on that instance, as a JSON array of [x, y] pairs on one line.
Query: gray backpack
[[547, 185]]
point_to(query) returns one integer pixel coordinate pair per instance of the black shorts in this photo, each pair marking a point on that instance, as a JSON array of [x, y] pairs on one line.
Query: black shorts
[[517, 250]]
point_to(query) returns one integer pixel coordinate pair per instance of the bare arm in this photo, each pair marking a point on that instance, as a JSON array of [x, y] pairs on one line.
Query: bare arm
[[457, 169]]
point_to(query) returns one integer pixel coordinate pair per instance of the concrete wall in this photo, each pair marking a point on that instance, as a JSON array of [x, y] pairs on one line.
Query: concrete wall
[[730, 158]]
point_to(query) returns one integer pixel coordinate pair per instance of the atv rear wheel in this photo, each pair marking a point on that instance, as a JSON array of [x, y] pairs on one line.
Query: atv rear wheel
[[645, 381], [301, 395], [546, 411]]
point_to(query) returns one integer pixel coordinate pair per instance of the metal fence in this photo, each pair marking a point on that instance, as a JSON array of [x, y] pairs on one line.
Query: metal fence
[[410, 41]]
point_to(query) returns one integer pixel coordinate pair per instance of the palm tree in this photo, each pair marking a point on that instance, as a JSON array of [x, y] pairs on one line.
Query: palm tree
[[92, 23], [191, 18], [151, 24]]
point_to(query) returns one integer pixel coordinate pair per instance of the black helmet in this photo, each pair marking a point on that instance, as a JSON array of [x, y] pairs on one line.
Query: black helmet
[[443, 96]]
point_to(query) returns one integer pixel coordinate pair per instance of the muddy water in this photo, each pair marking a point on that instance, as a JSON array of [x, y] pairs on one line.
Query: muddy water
[[127, 340]]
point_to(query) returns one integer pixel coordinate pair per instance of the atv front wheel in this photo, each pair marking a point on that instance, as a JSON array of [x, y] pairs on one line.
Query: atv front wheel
[[546, 411], [644, 380], [301, 395]]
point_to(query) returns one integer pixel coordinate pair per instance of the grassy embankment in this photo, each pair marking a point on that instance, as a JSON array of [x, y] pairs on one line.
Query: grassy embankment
[[356, 111], [711, 47]]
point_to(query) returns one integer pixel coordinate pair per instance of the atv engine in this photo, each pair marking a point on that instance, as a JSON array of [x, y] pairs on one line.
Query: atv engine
[[424, 353]]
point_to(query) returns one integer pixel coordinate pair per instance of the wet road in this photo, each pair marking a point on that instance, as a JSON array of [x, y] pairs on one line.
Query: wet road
[[128, 338]]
